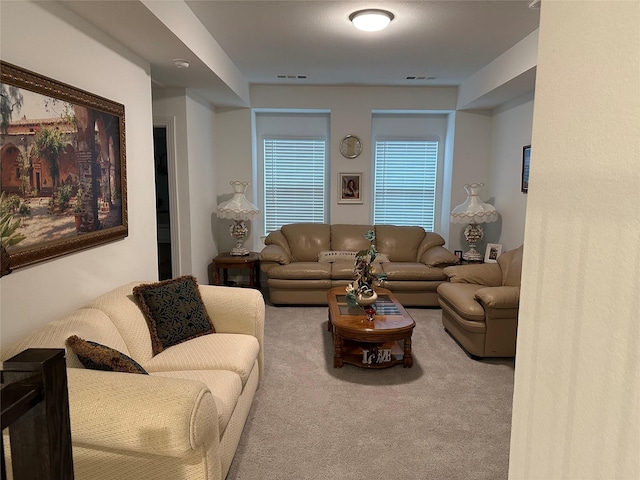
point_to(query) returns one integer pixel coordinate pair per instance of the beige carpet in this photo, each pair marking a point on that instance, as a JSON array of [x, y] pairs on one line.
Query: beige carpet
[[448, 417]]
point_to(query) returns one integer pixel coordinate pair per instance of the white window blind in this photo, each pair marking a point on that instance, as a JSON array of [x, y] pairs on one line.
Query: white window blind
[[405, 182], [294, 181]]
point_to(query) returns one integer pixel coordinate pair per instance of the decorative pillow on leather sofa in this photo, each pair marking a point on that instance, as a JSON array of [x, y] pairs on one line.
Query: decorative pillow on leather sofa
[[96, 356], [336, 256], [174, 311]]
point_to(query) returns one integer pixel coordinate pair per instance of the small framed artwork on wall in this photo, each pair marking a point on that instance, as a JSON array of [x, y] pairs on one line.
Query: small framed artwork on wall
[[526, 157], [350, 188]]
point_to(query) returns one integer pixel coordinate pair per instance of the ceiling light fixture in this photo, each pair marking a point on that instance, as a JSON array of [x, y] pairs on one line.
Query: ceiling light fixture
[[180, 63], [371, 20]]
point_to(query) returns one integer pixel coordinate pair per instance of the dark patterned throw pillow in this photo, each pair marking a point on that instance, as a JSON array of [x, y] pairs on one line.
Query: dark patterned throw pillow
[[96, 356], [174, 311]]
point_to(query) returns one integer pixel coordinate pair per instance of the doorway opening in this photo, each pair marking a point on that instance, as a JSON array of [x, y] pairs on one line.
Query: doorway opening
[[163, 214]]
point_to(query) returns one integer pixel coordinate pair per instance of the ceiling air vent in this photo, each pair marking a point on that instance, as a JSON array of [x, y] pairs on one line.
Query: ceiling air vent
[[420, 77], [295, 77]]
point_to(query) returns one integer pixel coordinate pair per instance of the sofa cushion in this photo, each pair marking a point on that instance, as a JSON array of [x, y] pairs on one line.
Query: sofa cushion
[[223, 351], [334, 256], [174, 311], [344, 270], [302, 271], [96, 356], [400, 243], [307, 240], [84, 322], [411, 271], [225, 386], [349, 237]]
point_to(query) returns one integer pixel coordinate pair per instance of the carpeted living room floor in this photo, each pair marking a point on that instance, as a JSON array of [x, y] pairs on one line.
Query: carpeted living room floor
[[448, 417]]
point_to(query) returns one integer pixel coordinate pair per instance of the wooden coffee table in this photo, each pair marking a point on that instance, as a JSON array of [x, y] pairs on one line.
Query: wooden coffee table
[[381, 343]]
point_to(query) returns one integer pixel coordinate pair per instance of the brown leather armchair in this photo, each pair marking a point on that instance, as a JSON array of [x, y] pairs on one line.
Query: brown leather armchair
[[480, 305]]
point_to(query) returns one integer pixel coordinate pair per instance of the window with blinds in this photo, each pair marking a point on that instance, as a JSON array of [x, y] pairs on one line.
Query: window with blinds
[[294, 181], [405, 182]]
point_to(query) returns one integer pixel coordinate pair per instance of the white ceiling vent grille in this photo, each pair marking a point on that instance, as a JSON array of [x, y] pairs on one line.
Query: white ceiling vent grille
[[290, 77], [420, 77]]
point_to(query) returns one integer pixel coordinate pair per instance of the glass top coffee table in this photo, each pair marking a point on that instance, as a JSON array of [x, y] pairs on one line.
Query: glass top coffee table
[[381, 343]]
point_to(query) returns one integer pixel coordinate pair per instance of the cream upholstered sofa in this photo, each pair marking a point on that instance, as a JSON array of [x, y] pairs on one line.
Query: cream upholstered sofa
[[304, 260], [184, 419], [480, 305]]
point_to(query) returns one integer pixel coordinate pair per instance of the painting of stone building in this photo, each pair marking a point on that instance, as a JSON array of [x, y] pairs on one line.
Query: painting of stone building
[[61, 168]]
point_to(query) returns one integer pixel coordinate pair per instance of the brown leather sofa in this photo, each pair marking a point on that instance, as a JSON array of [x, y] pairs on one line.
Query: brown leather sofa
[[480, 305], [304, 260]]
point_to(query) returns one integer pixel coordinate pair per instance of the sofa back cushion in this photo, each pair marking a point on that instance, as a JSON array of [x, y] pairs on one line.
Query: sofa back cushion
[[349, 238], [400, 243], [86, 323], [121, 307], [511, 264], [307, 240]]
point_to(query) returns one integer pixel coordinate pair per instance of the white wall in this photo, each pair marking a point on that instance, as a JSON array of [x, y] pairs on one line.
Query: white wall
[[471, 164], [233, 154], [511, 130], [202, 186], [576, 408], [351, 112], [50, 40], [194, 228], [171, 103]]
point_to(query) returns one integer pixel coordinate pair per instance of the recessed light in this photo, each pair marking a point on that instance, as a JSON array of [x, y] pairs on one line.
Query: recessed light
[[371, 20]]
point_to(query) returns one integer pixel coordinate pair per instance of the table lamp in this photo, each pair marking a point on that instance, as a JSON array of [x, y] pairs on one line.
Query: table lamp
[[472, 212], [238, 209]]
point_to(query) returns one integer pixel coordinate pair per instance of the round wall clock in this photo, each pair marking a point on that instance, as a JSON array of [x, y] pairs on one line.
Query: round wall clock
[[350, 146]]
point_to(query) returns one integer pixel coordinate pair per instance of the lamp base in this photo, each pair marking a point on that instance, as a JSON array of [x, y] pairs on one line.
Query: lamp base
[[473, 233], [240, 252], [472, 255], [239, 230]]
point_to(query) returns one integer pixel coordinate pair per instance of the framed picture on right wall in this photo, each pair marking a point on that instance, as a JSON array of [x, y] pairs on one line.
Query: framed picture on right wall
[[526, 158]]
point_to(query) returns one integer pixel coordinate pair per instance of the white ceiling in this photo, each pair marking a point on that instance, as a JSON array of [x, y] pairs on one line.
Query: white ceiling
[[448, 40]]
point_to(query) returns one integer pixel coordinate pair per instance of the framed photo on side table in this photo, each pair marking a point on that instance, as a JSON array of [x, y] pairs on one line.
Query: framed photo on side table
[[492, 252], [350, 188]]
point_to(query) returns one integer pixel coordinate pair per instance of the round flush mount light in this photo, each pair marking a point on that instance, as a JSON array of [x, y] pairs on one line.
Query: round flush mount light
[[371, 20], [180, 63]]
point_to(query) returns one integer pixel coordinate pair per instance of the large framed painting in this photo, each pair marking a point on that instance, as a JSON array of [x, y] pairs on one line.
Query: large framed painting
[[62, 168]]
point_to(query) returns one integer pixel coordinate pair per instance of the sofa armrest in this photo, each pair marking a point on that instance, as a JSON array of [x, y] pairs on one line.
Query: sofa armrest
[[439, 257], [236, 310], [141, 413], [499, 297], [487, 274], [275, 253]]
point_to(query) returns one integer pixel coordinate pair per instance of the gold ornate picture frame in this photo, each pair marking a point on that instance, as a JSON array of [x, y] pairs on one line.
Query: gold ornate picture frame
[[63, 169]]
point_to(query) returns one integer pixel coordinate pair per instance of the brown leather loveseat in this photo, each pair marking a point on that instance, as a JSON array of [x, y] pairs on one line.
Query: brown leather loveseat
[[304, 260], [480, 305]]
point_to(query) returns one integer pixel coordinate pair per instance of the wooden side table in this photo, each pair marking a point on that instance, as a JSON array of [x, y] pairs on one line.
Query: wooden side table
[[225, 261]]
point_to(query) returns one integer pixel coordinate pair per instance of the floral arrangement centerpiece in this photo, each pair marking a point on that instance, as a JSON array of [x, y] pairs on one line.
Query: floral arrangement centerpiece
[[365, 277]]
